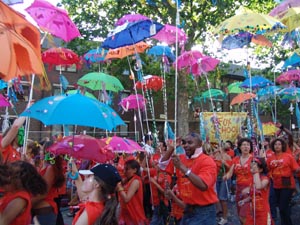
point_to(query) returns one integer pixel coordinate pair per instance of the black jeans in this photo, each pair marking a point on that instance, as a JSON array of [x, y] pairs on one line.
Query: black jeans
[[284, 196]]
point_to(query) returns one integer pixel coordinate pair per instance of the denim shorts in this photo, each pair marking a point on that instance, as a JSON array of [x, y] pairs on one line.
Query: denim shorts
[[198, 215], [222, 190]]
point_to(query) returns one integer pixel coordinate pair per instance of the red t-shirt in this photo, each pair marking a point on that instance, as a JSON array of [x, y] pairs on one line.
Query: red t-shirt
[[9, 154], [281, 166], [204, 167], [242, 172], [269, 153], [93, 210], [24, 217], [176, 210], [230, 152]]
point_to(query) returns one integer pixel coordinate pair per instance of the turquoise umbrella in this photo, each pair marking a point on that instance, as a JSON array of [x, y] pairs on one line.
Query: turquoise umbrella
[[86, 93], [214, 93], [234, 88]]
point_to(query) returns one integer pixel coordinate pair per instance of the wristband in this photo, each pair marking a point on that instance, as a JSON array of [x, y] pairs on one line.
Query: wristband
[[188, 172]]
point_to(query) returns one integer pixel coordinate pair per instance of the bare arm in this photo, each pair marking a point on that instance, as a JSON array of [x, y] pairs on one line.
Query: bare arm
[[13, 131], [12, 210], [229, 174], [171, 195], [134, 186]]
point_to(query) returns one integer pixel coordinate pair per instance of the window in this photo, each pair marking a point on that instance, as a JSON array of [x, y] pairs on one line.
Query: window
[[71, 68]]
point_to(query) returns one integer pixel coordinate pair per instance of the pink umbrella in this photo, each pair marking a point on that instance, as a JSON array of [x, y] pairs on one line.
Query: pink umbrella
[[54, 20], [289, 76], [204, 65], [83, 147], [187, 59], [133, 102], [119, 144], [168, 35], [130, 18], [285, 5], [4, 101]]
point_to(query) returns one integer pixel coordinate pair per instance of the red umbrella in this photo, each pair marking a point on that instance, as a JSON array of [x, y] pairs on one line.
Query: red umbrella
[[150, 82], [54, 20], [60, 56], [83, 147], [240, 98], [289, 76]]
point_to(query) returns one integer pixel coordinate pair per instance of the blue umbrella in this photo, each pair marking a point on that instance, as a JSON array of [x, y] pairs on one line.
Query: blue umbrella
[[256, 82], [131, 33], [95, 55], [160, 50], [268, 92], [293, 60], [3, 84], [74, 109], [236, 41], [290, 93], [291, 38]]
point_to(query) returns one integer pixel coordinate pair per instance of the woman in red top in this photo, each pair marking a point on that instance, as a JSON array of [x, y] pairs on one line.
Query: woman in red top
[[21, 181], [241, 168], [281, 167], [131, 195]]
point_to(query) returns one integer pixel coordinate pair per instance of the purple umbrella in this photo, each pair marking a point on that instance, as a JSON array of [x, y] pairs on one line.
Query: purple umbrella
[[285, 5], [168, 35], [289, 76], [130, 18], [204, 65]]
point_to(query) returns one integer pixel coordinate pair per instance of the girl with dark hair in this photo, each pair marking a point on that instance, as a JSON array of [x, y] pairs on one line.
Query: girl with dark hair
[[241, 168], [258, 194], [282, 166], [21, 182], [131, 195]]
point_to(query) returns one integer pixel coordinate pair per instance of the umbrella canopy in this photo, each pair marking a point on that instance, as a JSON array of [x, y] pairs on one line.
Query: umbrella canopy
[[20, 45], [293, 60], [288, 77], [130, 18], [290, 93], [214, 93], [86, 93], [204, 64], [54, 20], [4, 102], [150, 82], [95, 55], [83, 147], [161, 50], [74, 110], [256, 82], [100, 81], [247, 20], [120, 53], [283, 6], [234, 88], [291, 39], [268, 92], [123, 145], [131, 33], [169, 34], [187, 59], [242, 97], [237, 41], [60, 56], [290, 18], [133, 102]]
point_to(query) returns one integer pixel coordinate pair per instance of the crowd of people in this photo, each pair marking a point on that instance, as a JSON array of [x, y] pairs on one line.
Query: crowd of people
[[157, 187]]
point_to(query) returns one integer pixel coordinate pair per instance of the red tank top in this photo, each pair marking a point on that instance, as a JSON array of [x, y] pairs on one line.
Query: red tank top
[[93, 210]]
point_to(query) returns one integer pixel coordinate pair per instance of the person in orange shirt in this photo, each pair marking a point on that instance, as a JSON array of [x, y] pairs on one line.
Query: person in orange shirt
[[131, 195], [21, 182], [97, 193], [281, 168], [241, 168], [258, 195], [196, 178]]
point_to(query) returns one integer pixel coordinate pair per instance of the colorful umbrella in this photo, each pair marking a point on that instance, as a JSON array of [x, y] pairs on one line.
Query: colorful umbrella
[[74, 110], [95, 55], [53, 20], [211, 93], [268, 92], [247, 20], [187, 59], [130, 18], [290, 93], [150, 82], [133, 102], [131, 33], [256, 82], [288, 77], [161, 50], [204, 64], [20, 45], [169, 34], [242, 97], [234, 88], [83, 147], [237, 41], [283, 6], [123, 145], [12, 2], [120, 53], [290, 18], [4, 101], [60, 56], [100, 81], [86, 93], [293, 60], [291, 39]]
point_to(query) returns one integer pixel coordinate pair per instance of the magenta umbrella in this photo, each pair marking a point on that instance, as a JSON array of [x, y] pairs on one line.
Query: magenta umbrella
[[130, 18], [168, 35], [133, 102], [4, 101], [119, 144], [187, 59], [283, 6], [53, 20], [288, 76], [204, 65]]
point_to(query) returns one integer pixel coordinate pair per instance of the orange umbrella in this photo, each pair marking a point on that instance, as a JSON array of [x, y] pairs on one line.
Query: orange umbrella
[[120, 53], [261, 40], [241, 97], [20, 45]]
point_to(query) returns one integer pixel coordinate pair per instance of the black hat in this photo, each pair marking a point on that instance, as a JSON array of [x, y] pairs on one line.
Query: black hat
[[106, 172]]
